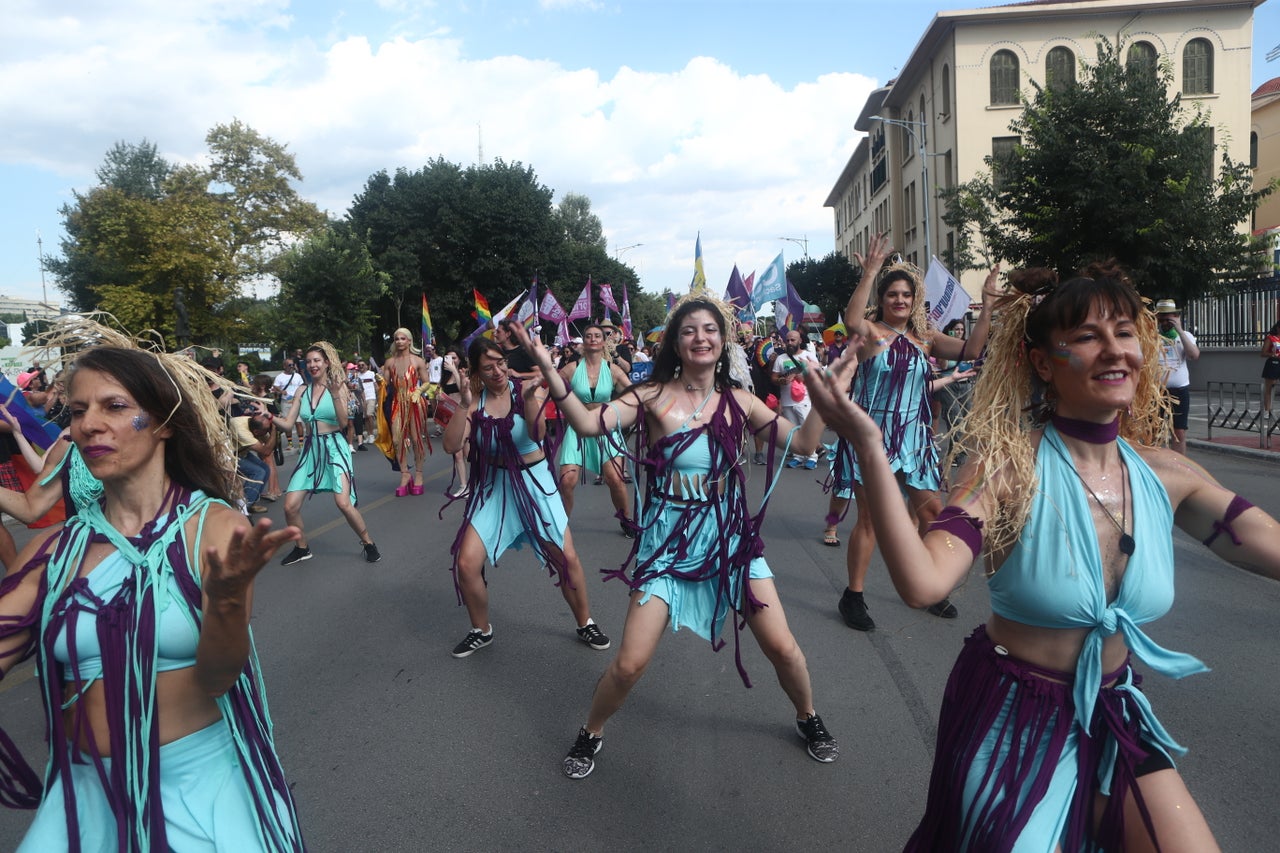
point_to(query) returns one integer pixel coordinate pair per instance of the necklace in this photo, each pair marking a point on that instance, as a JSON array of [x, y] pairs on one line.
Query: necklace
[[1127, 543], [697, 413]]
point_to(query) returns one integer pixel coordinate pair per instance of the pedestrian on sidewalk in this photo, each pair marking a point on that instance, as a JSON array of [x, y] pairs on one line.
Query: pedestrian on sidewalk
[[1271, 369], [1045, 740], [1177, 347]]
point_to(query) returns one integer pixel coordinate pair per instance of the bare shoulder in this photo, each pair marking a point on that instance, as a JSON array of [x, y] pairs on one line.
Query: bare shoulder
[[1179, 474], [220, 521]]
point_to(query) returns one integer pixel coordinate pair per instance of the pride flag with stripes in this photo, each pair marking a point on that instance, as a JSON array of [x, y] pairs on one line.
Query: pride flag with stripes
[[483, 315], [427, 336]]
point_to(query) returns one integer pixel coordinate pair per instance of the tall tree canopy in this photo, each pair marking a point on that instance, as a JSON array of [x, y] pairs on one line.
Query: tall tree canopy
[[580, 225], [328, 291], [827, 283], [1111, 166], [149, 228], [447, 231]]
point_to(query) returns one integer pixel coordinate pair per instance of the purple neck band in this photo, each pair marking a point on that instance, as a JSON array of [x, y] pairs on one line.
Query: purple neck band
[[1094, 433]]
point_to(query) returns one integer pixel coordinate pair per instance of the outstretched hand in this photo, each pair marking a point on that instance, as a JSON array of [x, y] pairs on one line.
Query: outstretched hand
[[228, 578], [991, 289], [877, 252], [531, 344], [829, 394]]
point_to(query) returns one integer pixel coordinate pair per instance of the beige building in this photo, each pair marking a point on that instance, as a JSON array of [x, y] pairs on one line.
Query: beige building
[[959, 90], [1264, 151], [33, 308]]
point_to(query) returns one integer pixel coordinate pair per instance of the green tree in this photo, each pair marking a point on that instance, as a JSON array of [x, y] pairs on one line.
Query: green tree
[[1112, 167], [448, 231], [328, 290], [149, 228], [826, 283], [577, 221]]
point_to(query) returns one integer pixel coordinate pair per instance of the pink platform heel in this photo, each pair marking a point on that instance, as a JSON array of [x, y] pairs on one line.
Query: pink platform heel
[[416, 489], [401, 491]]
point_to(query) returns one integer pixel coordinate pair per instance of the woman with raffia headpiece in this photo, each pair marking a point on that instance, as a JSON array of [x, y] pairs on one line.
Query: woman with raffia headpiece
[[324, 465], [893, 347], [137, 612], [1045, 741], [699, 555]]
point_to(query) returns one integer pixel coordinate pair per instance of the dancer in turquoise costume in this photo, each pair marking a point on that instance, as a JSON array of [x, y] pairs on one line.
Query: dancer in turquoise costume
[[512, 499], [324, 465], [137, 612], [1045, 741], [892, 385], [594, 380], [699, 555]]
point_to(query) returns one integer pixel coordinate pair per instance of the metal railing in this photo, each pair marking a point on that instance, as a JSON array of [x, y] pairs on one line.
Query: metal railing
[[1237, 318], [1238, 406]]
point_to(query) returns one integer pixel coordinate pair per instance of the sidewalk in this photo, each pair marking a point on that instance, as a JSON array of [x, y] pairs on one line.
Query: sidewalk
[[1229, 441]]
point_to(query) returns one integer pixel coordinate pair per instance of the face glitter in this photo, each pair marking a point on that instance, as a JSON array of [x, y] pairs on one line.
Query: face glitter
[[141, 422]]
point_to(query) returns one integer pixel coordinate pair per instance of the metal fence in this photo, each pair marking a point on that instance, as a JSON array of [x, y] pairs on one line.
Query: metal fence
[[1238, 318], [1239, 406]]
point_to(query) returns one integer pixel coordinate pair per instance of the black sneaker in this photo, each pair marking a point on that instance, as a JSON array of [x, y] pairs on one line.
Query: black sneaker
[[595, 638], [371, 553], [297, 555], [821, 745], [853, 609], [944, 609], [362, 446], [473, 642], [581, 759], [627, 532]]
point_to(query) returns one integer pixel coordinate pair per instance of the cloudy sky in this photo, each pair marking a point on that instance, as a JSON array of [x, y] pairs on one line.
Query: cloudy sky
[[729, 117]]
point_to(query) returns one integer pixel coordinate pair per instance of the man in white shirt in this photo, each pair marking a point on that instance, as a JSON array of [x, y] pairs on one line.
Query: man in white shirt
[[286, 386], [1177, 347], [793, 397], [369, 388]]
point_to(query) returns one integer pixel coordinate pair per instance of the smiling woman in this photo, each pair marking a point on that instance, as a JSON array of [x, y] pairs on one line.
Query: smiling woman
[[138, 614], [1045, 741]]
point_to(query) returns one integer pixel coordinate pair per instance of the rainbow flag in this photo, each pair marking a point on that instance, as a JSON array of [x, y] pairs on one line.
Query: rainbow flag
[[427, 336], [483, 315]]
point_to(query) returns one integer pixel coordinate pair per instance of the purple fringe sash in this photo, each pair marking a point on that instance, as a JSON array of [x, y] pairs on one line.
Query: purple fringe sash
[[1040, 720], [493, 454], [726, 502]]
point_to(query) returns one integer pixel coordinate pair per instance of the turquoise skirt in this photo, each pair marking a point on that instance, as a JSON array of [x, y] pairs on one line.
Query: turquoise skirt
[[694, 604], [591, 453], [207, 805], [324, 462], [507, 516]]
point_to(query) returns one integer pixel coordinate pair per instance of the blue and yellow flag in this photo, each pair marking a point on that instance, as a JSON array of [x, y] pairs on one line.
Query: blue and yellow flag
[[699, 282]]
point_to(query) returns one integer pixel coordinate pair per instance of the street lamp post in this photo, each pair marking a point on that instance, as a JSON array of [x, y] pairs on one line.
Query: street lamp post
[[802, 242], [909, 127], [618, 253]]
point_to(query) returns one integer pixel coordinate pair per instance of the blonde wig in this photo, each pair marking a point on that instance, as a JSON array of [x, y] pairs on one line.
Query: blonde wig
[[1010, 401]]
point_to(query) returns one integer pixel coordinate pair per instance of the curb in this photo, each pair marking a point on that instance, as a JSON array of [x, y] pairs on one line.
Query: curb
[[1255, 453]]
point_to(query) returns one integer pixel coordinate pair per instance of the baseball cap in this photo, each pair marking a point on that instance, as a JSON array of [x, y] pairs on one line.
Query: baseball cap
[[24, 379]]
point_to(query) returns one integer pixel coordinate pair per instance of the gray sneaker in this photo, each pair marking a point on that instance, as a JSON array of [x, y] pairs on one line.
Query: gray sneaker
[[819, 742], [581, 759]]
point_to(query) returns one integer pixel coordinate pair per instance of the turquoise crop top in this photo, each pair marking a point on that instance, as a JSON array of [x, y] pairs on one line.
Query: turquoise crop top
[[176, 634], [519, 429], [324, 413], [1053, 577]]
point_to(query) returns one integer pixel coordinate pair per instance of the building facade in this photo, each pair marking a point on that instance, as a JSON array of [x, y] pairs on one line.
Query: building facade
[[962, 84], [1264, 152]]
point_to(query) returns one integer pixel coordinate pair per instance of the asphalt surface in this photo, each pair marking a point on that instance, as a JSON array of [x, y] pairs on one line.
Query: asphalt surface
[[390, 744]]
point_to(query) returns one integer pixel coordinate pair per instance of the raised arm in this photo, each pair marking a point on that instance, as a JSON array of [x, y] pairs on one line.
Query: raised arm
[[621, 414], [967, 349], [232, 553], [8, 423], [855, 313], [923, 571], [286, 421]]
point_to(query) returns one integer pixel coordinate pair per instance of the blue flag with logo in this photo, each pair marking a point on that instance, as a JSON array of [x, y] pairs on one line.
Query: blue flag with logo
[[771, 285]]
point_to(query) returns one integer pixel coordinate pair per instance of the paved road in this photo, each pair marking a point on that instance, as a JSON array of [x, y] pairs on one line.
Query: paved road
[[390, 744]]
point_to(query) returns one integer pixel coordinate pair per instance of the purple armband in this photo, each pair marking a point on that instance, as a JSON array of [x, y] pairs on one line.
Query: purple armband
[[1237, 506], [959, 523]]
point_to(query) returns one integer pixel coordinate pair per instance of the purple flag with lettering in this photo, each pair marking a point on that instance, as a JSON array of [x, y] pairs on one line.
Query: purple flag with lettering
[[737, 295], [606, 298], [581, 309], [550, 309]]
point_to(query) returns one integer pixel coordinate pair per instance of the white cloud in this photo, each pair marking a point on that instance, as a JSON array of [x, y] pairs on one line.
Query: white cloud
[[661, 155]]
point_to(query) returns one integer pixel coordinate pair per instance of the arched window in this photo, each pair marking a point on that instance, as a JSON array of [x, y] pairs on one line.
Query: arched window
[[1253, 149], [1060, 68], [1197, 67], [946, 90], [1141, 58], [1004, 78]]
